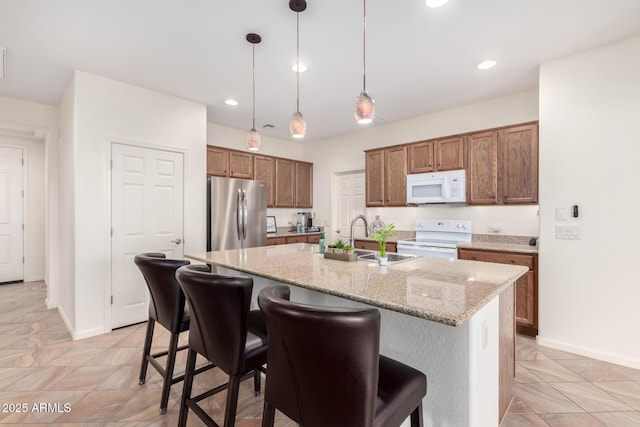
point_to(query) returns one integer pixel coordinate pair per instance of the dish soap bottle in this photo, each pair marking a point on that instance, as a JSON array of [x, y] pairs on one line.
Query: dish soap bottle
[[321, 243]]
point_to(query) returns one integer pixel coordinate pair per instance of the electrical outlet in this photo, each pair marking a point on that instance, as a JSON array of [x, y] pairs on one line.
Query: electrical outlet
[[571, 232]]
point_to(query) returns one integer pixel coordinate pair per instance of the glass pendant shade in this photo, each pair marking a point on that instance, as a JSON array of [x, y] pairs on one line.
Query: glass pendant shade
[[365, 108], [297, 126], [253, 140]]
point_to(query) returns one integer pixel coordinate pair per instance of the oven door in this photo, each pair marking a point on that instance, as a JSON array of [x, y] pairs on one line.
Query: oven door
[[427, 251]]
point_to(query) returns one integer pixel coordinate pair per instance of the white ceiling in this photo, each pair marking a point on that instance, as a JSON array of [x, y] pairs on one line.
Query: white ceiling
[[419, 60]]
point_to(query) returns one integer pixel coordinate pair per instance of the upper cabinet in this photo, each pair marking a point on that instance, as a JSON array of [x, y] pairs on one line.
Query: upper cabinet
[[482, 168], [289, 182], [229, 163], [264, 169], [518, 164], [386, 176], [436, 155]]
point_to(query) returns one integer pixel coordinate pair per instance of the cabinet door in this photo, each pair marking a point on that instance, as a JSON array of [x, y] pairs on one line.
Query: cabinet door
[[368, 245], [374, 177], [526, 301], [449, 153], [421, 157], [271, 241], [395, 182], [313, 238], [296, 239], [217, 161], [240, 165], [285, 183], [519, 164], [482, 169], [264, 170], [304, 185]]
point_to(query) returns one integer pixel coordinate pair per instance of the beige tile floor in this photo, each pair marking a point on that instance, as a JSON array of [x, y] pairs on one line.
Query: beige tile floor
[[93, 382]]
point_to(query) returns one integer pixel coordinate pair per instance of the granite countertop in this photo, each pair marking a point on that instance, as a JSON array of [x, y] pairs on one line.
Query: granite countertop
[[490, 242], [444, 291]]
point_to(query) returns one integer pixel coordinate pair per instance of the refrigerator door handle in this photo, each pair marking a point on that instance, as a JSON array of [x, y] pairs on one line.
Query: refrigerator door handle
[[239, 214], [245, 212]]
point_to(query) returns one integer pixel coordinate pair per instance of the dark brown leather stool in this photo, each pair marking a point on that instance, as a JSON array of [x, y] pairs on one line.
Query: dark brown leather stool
[[167, 307], [325, 368], [225, 332]]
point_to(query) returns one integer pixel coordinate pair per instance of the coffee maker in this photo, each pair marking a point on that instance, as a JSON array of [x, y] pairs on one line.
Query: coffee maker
[[305, 220]]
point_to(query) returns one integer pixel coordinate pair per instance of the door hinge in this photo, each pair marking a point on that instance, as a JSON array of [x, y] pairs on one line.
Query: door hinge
[[22, 227], [22, 161], [23, 260], [23, 194], [111, 164], [111, 231], [111, 299]]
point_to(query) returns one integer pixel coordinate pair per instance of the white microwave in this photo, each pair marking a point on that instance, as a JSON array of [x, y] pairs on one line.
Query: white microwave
[[437, 187]]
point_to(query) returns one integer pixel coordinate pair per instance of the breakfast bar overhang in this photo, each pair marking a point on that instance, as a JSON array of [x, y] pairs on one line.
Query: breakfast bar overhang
[[451, 319]]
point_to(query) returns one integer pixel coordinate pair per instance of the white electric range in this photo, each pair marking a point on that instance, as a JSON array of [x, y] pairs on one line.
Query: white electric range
[[437, 238]]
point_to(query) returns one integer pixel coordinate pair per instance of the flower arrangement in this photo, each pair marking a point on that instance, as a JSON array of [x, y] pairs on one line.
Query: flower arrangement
[[340, 247], [381, 236]]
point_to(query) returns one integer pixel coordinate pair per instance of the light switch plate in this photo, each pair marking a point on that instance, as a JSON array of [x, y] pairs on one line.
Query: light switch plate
[[571, 232], [562, 213]]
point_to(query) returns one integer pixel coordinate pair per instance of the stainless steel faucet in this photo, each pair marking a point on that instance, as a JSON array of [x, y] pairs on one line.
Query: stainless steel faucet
[[353, 223]]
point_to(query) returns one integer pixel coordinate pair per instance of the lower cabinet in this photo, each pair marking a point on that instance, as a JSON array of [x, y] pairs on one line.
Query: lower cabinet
[[526, 286], [371, 245], [300, 238]]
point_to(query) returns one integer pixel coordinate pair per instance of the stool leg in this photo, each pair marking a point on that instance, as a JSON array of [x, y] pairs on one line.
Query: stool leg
[[268, 414], [188, 383], [232, 401], [171, 361], [146, 351], [256, 381], [416, 416]]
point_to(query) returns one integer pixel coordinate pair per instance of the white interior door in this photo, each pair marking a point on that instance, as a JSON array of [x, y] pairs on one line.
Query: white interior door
[[350, 201], [147, 187], [11, 215]]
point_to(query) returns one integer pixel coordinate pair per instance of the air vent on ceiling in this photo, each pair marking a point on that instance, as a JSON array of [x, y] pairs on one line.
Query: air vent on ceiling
[[3, 60]]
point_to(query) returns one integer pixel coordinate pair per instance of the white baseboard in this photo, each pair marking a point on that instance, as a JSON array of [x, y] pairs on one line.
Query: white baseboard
[[78, 335], [34, 279], [589, 352]]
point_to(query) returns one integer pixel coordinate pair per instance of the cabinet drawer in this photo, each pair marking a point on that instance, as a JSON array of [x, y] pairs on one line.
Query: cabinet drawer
[[314, 238], [276, 241], [497, 257], [296, 239]]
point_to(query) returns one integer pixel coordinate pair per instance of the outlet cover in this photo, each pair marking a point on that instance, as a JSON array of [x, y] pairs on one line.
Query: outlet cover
[[569, 232]]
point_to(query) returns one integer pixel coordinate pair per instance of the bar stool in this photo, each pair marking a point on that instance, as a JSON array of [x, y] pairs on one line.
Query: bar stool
[[325, 368], [225, 332], [167, 307]]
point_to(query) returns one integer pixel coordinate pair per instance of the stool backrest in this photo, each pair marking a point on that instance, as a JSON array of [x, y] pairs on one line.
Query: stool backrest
[[322, 362], [219, 308], [166, 305]]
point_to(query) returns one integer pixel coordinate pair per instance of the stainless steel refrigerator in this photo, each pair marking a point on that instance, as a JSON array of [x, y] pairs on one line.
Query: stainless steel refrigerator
[[237, 213]]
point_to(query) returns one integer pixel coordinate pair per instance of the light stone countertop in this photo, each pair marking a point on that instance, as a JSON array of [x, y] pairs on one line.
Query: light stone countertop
[[444, 291]]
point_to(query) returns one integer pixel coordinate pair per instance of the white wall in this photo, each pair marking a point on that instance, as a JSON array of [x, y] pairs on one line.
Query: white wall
[[106, 111], [345, 153], [42, 255], [589, 151]]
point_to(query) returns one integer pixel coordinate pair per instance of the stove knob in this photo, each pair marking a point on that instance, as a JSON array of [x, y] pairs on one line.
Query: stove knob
[[459, 225], [465, 226]]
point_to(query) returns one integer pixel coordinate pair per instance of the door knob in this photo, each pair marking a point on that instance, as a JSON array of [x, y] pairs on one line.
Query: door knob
[[177, 241]]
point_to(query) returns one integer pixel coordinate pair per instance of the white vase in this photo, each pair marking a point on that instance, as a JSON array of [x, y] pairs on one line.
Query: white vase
[[383, 260]]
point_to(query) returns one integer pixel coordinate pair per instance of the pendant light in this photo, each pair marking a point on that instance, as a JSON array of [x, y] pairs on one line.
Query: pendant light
[[297, 126], [253, 139], [365, 110]]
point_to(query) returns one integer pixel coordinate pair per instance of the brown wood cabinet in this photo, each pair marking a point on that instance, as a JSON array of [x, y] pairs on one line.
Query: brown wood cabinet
[[271, 241], [386, 176], [299, 238], [371, 245], [436, 155], [264, 169], [518, 163], [374, 176], [482, 168], [526, 300], [304, 185], [289, 182], [229, 163]]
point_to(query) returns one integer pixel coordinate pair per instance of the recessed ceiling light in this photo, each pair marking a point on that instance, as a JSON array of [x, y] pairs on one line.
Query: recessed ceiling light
[[436, 3], [230, 101], [303, 68], [485, 65]]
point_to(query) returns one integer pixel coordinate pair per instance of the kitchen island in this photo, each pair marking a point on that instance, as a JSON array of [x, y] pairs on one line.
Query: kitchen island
[[453, 320]]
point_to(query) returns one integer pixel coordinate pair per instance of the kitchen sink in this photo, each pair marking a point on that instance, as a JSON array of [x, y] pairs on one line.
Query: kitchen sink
[[393, 257], [360, 252]]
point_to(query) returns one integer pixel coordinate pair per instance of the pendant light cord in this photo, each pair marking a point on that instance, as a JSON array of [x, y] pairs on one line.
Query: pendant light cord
[[364, 45], [253, 67], [298, 61]]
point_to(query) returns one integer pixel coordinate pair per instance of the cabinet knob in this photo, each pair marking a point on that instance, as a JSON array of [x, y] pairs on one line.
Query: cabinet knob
[[473, 257], [513, 262]]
